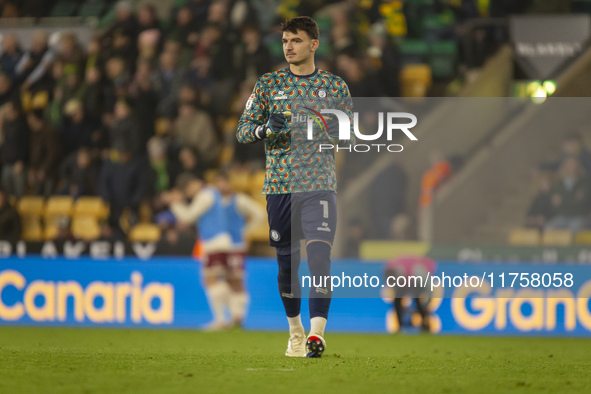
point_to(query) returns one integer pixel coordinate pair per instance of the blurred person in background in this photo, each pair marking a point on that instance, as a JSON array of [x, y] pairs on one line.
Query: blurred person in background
[[125, 131], [123, 184], [571, 198], [252, 57], [194, 128], [189, 162], [398, 273], [170, 80], [541, 208], [125, 22], [11, 55], [44, 155], [77, 129], [147, 17], [572, 146], [14, 149], [10, 221], [162, 174], [79, 175], [34, 67], [7, 90], [185, 30]]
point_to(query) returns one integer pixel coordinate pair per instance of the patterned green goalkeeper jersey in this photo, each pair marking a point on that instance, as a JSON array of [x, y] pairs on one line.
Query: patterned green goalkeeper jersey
[[294, 163]]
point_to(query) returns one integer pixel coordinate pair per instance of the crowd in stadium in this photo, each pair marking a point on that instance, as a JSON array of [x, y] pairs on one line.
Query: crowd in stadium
[[147, 99]]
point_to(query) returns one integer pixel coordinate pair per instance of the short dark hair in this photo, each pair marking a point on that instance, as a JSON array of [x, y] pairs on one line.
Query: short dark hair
[[303, 23]]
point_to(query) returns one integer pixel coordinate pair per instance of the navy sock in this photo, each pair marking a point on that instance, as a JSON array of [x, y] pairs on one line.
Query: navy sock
[[288, 280], [321, 290]]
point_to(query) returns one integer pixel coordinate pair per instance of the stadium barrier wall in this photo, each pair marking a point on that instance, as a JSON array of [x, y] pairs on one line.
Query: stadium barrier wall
[[166, 292]]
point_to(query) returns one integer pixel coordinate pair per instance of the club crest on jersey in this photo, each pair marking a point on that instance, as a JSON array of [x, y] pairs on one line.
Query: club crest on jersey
[[275, 235], [322, 93], [280, 96], [250, 100]]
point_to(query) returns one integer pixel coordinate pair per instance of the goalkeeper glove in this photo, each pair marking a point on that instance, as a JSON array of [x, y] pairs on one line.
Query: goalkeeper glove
[[273, 126]]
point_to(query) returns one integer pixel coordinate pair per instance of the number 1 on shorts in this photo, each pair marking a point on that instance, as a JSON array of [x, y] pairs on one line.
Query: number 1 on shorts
[[324, 204]]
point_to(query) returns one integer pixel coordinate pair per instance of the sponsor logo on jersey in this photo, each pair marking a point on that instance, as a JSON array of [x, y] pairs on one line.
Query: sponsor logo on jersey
[[280, 96]]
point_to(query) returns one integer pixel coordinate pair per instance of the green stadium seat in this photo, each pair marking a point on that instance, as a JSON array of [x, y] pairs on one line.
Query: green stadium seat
[[64, 8], [414, 52], [92, 8], [443, 59]]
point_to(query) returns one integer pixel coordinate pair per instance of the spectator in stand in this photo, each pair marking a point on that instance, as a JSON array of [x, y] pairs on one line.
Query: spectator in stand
[[93, 99], [10, 222], [388, 193], [361, 84], [71, 55], [11, 55], [14, 150], [571, 198], [148, 18], [440, 172], [125, 132], [79, 175], [189, 163], [194, 128], [252, 57], [77, 129], [145, 102], [7, 90], [573, 146], [123, 185], [200, 10], [162, 174], [125, 22], [541, 208], [44, 155], [185, 29], [170, 78], [34, 67]]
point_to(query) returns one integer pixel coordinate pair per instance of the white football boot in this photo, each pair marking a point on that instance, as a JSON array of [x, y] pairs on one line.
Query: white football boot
[[296, 345]]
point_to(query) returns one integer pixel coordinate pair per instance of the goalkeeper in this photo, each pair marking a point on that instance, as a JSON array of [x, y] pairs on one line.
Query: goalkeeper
[[300, 183]]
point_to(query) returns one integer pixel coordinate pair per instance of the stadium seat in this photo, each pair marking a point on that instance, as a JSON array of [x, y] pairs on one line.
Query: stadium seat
[[92, 8], [443, 59], [85, 228], [144, 232], [583, 237], [31, 206], [524, 237], [415, 80], [31, 228], [64, 8], [59, 206], [414, 52], [240, 181], [258, 234], [557, 238], [91, 206]]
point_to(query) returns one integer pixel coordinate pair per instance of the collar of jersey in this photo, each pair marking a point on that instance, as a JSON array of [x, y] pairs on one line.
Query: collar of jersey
[[303, 76]]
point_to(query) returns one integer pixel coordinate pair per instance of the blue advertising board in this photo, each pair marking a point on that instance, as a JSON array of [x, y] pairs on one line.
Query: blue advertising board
[[167, 292]]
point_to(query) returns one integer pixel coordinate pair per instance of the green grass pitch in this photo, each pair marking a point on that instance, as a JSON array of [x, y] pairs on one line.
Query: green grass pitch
[[52, 360]]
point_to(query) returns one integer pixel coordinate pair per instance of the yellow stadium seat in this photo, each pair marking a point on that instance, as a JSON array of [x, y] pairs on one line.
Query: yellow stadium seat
[[59, 206], [257, 180], [32, 230], [144, 232], [91, 206], [557, 238], [583, 238], [415, 80], [240, 181], [258, 234], [524, 237], [85, 228], [31, 206], [51, 230]]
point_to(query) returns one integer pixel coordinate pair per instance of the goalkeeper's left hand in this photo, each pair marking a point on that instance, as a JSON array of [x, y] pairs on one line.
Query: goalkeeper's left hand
[[273, 126]]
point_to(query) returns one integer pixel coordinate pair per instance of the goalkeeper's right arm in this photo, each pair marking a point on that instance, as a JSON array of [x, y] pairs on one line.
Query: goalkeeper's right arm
[[255, 116]]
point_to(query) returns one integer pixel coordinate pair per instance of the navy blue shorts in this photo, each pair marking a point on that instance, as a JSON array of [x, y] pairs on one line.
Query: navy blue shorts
[[309, 216]]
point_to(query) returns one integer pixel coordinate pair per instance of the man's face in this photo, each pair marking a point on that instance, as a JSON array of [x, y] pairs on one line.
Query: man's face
[[298, 48]]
